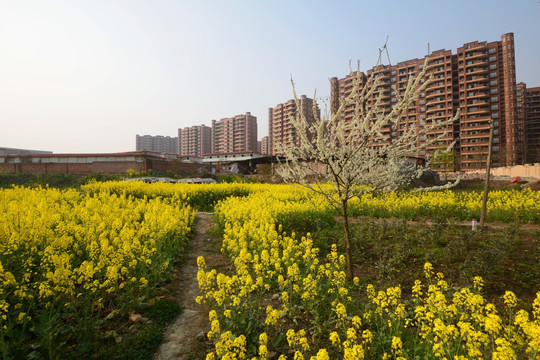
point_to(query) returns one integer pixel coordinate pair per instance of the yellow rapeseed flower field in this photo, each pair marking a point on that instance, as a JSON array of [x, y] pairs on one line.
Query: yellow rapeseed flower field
[[68, 258], [282, 289], [65, 257]]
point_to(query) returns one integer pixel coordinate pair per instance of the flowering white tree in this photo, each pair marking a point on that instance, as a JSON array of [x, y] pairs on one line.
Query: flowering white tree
[[344, 159]]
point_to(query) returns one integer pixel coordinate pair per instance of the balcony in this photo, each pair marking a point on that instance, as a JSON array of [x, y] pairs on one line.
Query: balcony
[[470, 78], [476, 55], [433, 63], [478, 102], [434, 93], [478, 86], [437, 101], [477, 94], [475, 125], [478, 110], [477, 70], [437, 84], [432, 109]]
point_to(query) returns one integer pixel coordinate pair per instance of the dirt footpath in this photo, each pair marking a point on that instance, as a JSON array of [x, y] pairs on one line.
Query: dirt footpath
[[183, 339]]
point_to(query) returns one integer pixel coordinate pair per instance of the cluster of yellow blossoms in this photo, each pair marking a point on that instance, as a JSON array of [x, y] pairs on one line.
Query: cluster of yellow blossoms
[[503, 205], [64, 252], [281, 290]]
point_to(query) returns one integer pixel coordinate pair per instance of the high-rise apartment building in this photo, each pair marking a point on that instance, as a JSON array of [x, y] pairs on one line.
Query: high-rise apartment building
[[235, 134], [162, 144], [487, 93], [195, 141], [280, 129], [265, 148], [479, 80], [521, 130], [532, 123]]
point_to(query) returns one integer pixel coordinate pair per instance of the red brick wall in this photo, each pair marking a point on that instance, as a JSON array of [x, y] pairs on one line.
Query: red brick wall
[[96, 167]]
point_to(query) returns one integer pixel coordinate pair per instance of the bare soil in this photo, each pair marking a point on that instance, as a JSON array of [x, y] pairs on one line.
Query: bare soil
[[185, 338]]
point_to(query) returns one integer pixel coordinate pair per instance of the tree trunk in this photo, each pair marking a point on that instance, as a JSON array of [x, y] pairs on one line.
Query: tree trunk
[[348, 250], [486, 181]]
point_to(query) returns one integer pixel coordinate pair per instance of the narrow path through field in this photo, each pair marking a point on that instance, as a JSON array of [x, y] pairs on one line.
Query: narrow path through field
[[183, 338]]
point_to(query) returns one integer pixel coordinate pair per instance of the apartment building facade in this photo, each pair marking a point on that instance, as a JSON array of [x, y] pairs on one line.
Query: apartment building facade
[[265, 148], [487, 96], [158, 143], [235, 134], [532, 123], [478, 80], [520, 123], [195, 141], [280, 128]]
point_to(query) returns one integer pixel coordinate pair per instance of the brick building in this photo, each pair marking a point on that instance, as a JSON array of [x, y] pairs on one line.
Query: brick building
[[195, 141], [280, 129], [265, 146], [532, 123], [235, 134], [479, 80]]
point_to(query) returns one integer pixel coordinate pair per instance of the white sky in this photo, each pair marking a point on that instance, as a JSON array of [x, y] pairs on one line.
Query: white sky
[[87, 76]]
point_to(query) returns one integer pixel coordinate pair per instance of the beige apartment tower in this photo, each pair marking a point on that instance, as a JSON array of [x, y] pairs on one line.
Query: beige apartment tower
[[158, 143], [235, 134], [195, 141]]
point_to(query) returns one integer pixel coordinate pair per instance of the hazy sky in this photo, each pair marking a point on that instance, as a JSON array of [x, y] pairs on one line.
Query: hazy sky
[[87, 76]]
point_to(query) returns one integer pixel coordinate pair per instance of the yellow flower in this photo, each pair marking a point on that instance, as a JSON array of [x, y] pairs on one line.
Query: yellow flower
[[334, 338], [263, 339], [478, 283], [396, 343], [510, 299]]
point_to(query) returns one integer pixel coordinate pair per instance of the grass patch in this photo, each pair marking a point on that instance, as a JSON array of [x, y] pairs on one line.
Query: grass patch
[[139, 341], [391, 252]]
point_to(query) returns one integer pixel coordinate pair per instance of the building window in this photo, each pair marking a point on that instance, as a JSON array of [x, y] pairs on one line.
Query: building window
[[493, 83], [492, 58]]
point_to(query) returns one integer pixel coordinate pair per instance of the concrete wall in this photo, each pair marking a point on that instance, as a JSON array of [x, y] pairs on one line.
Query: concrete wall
[[523, 171], [518, 170]]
